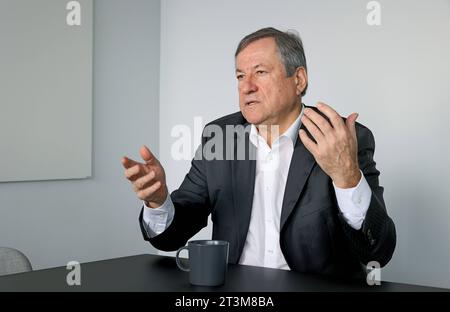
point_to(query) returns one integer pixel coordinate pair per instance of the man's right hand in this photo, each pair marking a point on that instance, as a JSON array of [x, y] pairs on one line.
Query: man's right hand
[[148, 178]]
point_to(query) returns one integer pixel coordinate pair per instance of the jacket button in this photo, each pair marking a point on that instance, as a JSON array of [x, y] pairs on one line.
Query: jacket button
[[370, 238]]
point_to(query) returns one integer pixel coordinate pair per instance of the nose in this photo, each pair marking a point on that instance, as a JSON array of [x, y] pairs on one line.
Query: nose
[[247, 85]]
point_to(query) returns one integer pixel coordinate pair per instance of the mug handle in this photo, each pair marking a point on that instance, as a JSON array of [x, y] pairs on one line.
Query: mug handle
[[177, 258]]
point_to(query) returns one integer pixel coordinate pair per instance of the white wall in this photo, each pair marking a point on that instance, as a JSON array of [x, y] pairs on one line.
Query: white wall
[[395, 75], [53, 222], [53, 63]]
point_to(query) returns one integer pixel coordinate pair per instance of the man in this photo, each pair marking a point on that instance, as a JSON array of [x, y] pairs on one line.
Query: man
[[309, 199]]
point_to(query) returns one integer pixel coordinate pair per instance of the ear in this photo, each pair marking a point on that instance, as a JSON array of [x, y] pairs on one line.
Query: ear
[[301, 80]]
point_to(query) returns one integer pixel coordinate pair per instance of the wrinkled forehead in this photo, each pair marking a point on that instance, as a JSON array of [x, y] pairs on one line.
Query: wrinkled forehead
[[262, 52]]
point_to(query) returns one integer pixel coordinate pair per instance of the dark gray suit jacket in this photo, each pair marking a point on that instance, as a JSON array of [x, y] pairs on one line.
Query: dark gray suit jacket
[[314, 237]]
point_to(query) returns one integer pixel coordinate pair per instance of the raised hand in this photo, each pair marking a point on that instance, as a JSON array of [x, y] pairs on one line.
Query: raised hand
[[148, 178], [336, 146]]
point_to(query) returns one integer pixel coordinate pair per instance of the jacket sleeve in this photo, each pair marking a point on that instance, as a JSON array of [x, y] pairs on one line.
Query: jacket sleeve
[[376, 239], [192, 208]]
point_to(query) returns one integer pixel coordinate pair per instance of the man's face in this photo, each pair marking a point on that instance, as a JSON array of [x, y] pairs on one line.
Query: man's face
[[266, 95]]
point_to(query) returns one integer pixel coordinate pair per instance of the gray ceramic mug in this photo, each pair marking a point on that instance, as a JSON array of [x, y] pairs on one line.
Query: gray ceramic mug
[[208, 262]]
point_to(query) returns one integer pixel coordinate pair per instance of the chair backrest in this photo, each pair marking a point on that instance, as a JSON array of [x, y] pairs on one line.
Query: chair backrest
[[13, 261]]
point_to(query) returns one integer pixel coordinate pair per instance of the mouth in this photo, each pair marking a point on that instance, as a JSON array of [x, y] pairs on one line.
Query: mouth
[[251, 103]]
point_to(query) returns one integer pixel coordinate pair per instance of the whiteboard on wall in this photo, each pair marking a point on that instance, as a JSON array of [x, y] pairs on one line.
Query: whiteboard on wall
[[45, 90]]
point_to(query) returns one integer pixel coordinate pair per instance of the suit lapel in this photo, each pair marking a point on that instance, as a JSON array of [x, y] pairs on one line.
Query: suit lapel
[[300, 168], [243, 184]]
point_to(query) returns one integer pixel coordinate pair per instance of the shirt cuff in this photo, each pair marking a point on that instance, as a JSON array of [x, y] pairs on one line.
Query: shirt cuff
[[156, 220], [354, 202]]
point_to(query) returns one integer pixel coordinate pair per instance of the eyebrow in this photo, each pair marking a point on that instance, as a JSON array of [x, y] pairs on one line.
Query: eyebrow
[[254, 67]]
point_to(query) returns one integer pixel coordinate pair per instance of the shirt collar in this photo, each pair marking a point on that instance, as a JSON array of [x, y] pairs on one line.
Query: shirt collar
[[291, 132]]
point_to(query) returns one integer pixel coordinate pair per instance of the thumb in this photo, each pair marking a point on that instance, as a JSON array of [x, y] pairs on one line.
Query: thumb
[[350, 122], [146, 154]]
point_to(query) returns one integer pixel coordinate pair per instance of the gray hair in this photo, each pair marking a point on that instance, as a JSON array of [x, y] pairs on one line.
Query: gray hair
[[289, 45]]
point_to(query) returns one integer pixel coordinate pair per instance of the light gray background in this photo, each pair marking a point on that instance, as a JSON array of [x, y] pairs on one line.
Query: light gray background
[[45, 91], [395, 75], [54, 222]]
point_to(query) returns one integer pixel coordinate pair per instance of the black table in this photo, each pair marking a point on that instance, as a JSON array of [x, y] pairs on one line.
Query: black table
[[160, 274]]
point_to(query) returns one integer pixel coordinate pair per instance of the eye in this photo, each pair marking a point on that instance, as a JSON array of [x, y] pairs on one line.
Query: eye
[[240, 77], [261, 72]]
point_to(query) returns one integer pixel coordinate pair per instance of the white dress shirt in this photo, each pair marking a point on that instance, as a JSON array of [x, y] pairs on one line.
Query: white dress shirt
[[262, 247]]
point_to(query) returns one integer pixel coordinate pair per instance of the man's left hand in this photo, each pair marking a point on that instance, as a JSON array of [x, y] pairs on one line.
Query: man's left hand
[[336, 146]]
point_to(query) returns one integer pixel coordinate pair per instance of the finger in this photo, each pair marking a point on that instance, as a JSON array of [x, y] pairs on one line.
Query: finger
[[146, 193], [320, 121], [333, 116], [312, 128], [350, 123], [144, 181], [128, 162], [135, 172], [309, 144], [146, 154]]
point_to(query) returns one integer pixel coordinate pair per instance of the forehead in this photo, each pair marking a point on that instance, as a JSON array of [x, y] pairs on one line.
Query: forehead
[[260, 52]]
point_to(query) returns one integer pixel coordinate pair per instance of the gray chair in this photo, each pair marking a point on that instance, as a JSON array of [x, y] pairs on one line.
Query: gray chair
[[13, 261]]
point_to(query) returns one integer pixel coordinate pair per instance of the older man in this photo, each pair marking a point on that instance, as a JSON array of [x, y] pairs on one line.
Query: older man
[[308, 200]]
